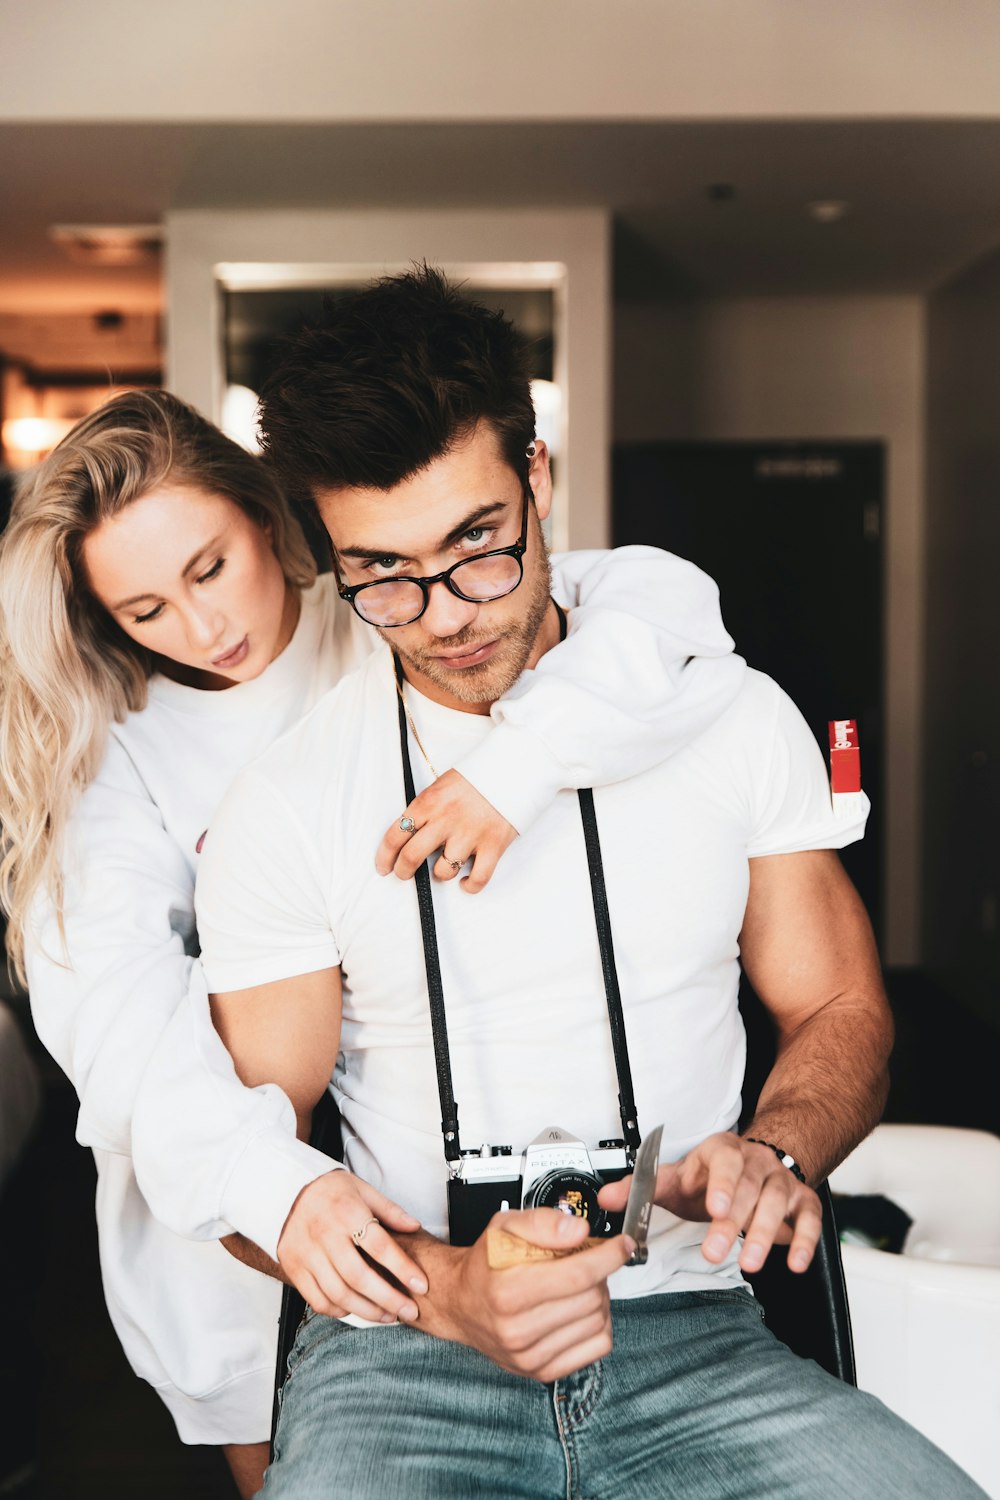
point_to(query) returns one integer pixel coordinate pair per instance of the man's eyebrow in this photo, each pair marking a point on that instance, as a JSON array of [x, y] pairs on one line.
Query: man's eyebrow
[[191, 563], [481, 513]]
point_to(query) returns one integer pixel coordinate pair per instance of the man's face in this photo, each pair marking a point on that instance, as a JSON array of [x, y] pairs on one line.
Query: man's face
[[466, 502]]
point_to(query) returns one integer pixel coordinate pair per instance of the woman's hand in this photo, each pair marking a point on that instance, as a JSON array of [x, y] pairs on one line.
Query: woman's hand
[[452, 816], [334, 1248]]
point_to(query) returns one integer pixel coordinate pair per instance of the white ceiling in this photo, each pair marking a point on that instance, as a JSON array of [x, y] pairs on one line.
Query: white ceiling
[[924, 195]]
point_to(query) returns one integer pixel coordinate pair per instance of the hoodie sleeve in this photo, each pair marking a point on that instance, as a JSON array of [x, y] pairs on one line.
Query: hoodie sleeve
[[647, 665], [111, 989]]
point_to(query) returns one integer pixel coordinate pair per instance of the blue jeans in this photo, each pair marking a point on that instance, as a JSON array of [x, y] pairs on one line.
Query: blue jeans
[[698, 1401]]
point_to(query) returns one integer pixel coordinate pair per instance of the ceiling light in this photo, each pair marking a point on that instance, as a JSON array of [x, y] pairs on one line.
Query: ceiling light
[[828, 210], [109, 244]]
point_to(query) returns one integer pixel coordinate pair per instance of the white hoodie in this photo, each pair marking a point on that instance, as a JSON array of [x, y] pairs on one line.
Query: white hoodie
[[122, 1007]]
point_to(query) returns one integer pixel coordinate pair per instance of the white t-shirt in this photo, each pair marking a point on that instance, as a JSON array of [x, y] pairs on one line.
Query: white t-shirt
[[287, 887], [123, 1007]]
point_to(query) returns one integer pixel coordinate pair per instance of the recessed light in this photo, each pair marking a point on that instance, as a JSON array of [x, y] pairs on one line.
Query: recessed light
[[109, 244], [828, 210]]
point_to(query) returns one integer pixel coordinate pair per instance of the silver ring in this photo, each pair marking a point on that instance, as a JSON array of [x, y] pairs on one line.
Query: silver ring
[[407, 825], [359, 1234]]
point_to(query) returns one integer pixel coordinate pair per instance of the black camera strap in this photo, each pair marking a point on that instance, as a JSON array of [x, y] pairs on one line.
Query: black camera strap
[[432, 962]]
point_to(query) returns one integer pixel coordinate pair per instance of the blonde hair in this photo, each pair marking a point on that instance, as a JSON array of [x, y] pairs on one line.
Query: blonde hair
[[67, 671]]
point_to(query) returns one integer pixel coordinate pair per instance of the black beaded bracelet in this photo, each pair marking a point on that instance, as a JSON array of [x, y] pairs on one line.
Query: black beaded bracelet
[[783, 1156]]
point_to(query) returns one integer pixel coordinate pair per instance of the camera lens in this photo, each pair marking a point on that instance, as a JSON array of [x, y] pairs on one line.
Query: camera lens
[[571, 1193]]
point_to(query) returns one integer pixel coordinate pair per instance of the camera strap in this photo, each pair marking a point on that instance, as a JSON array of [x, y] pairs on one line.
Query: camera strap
[[432, 962]]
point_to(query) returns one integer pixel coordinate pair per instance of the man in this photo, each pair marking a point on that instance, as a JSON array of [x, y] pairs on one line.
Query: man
[[408, 419]]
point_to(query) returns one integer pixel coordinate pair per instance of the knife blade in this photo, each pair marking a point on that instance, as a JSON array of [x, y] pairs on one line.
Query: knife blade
[[504, 1249], [639, 1207]]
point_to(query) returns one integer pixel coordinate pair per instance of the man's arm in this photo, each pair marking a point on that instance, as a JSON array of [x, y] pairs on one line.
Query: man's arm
[[540, 1320], [808, 949]]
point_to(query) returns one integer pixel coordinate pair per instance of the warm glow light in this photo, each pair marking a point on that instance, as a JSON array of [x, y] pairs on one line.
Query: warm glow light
[[546, 398], [239, 417], [34, 434]]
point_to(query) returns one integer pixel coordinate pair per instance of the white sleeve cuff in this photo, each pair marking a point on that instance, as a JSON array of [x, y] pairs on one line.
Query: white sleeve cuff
[[266, 1181], [515, 771]]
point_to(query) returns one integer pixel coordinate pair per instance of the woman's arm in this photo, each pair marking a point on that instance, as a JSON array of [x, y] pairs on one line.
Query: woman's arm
[[646, 667], [107, 992]]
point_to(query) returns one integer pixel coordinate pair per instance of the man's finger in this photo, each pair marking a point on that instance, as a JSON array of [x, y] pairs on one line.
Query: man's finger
[[724, 1159], [765, 1222], [806, 1236], [577, 1358]]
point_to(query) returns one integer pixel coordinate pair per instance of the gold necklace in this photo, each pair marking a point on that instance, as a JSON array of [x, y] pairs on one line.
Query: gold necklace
[[413, 729]]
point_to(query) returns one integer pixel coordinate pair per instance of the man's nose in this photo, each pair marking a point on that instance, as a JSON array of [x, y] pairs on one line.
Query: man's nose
[[446, 614]]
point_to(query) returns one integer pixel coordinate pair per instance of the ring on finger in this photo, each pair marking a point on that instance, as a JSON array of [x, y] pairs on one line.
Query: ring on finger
[[359, 1234], [407, 825], [456, 864]]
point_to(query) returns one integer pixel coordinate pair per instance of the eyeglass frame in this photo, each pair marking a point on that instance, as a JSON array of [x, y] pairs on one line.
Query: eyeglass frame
[[349, 592]]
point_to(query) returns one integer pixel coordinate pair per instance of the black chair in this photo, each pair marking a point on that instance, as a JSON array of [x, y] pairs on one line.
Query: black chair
[[808, 1311], [325, 1136]]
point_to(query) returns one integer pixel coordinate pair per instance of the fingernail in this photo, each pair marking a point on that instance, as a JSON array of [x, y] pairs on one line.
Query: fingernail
[[799, 1260], [752, 1257], [566, 1229], [379, 870], [717, 1244], [408, 1312], [629, 1245], [418, 1285], [719, 1203], [387, 1318]]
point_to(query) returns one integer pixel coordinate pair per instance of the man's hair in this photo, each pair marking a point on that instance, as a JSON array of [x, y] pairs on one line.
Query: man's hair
[[393, 378]]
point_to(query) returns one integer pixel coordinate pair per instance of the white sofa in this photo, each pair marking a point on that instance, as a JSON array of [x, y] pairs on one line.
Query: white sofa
[[927, 1323]]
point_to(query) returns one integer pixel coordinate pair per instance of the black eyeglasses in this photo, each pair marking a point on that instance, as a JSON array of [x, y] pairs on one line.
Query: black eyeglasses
[[389, 602]]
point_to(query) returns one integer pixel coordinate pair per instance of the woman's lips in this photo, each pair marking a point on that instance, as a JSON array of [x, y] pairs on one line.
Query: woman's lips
[[470, 658], [234, 657]]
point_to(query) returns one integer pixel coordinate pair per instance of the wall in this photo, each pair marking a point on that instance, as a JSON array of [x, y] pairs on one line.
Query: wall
[[378, 239], [497, 59], [811, 367], [962, 867]]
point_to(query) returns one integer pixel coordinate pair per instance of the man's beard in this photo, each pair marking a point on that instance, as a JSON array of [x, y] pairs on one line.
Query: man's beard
[[491, 679]]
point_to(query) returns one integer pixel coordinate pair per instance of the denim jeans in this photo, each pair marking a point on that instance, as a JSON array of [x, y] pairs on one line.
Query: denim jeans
[[698, 1401]]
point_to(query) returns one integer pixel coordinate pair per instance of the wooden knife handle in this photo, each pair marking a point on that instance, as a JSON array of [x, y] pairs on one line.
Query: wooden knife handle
[[504, 1249]]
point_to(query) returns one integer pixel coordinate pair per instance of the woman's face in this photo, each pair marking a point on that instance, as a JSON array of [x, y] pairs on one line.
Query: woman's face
[[189, 575]]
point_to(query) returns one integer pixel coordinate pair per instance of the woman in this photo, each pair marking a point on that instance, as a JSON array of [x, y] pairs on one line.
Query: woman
[[160, 624]]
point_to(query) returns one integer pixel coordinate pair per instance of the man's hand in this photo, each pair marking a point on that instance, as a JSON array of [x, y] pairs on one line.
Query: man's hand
[[737, 1185], [543, 1319], [452, 816], [318, 1255]]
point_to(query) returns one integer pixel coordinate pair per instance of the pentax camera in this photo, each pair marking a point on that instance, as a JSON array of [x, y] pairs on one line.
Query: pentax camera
[[556, 1171]]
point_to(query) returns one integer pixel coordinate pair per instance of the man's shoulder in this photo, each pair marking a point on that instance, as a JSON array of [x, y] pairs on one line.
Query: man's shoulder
[[753, 713], [328, 737]]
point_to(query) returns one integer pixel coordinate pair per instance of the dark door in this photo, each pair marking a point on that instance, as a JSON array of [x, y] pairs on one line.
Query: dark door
[[792, 533]]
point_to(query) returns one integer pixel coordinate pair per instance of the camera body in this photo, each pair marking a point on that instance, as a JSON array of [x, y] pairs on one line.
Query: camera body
[[556, 1171]]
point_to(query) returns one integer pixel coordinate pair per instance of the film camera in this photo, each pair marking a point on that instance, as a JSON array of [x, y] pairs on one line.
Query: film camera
[[556, 1171]]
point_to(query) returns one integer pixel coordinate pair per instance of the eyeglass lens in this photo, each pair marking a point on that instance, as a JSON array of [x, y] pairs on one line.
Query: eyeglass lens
[[397, 602]]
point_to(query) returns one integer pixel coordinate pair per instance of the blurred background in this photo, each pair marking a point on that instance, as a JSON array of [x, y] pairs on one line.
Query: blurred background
[[756, 247]]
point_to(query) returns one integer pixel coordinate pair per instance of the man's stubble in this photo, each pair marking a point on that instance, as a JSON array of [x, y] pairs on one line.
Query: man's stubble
[[488, 682]]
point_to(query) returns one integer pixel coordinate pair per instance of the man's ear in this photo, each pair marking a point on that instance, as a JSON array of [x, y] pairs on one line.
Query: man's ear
[[540, 478]]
